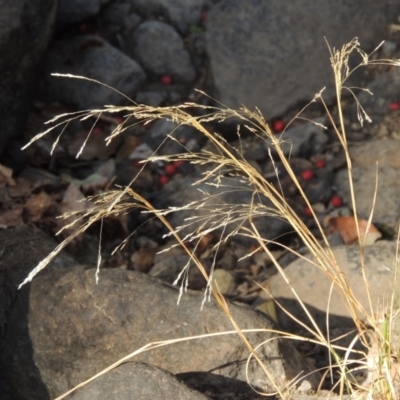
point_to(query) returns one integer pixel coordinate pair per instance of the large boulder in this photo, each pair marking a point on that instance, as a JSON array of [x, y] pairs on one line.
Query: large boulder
[[272, 54], [314, 287], [180, 13], [137, 381], [71, 11], [21, 249], [25, 31], [65, 328], [374, 160], [91, 57]]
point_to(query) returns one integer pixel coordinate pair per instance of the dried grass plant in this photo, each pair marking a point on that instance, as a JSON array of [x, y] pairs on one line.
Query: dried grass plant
[[378, 360]]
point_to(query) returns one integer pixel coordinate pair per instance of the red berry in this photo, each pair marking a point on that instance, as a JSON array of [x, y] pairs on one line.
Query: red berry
[[307, 174], [178, 163], [119, 120], [170, 169], [163, 179], [97, 131], [83, 28], [336, 201], [278, 125], [394, 106], [203, 16], [320, 163], [307, 211], [166, 80]]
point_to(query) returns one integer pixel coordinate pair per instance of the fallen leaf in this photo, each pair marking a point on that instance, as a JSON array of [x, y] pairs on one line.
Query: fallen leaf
[[204, 242], [143, 259], [37, 205], [347, 228], [12, 218], [6, 171], [6, 176], [22, 188], [128, 147]]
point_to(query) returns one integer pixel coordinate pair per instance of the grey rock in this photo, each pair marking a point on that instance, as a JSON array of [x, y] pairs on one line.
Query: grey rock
[[220, 387], [180, 13], [118, 18], [93, 58], [25, 30], [186, 137], [384, 89], [387, 206], [153, 99], [313, 286], [388, 49], [272, 54], [20, 251], [169, 269], [231, 195], [304, 140], [70, 11], [160, 51], [64, 328], [318, 190], [384, 151], [137, 381]]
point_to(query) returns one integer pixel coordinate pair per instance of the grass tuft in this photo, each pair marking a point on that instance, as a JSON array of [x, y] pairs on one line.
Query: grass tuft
[[228, 170]]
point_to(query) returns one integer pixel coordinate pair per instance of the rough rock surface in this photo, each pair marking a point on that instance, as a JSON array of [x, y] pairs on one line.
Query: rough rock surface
[[186, 138], [384, 89], [304, 140], [313, 287], [64, 328], [137, 381], [25, 30], [180, 13], [90, 57], [20, 251], [160, 51], [272, 54], [387, 207], [70, 11], [385, 152], [365, 173]]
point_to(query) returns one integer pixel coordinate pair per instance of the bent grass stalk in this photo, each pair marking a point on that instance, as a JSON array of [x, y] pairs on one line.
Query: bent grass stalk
[[227, 158]]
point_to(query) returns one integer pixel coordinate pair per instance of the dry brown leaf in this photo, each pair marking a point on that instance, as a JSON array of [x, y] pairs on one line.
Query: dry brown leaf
[[37, 205], [143, 259], [22, 188], [12, 218], [6, 171], [6, 176], [204, 242], [128, 147], [346, 227]]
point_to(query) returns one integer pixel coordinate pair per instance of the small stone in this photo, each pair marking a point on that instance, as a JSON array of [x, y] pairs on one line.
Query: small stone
[[160, 50], [223, 281]]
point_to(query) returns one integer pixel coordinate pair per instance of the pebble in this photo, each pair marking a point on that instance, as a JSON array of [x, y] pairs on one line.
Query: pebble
[[223, 281]]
